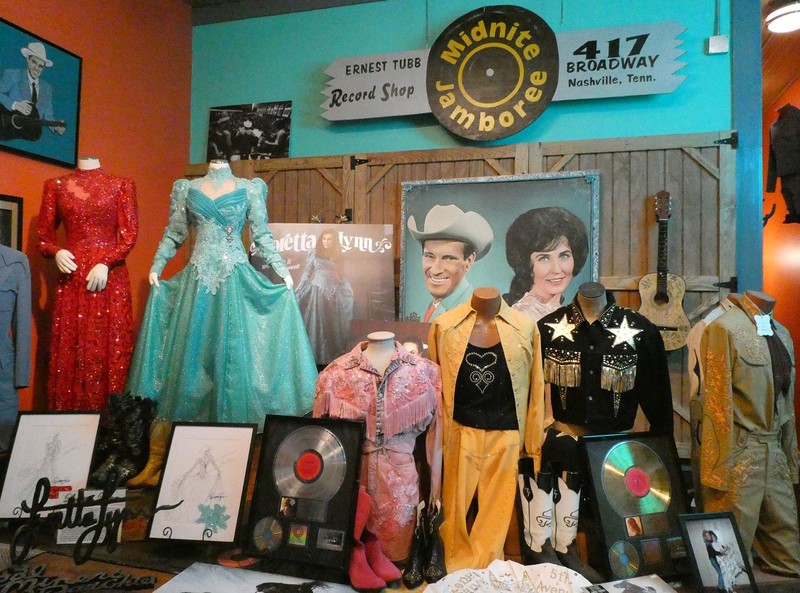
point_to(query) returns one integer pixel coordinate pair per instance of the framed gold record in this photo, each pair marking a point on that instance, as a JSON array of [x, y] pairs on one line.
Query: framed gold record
[[636, 488], [303, 505]]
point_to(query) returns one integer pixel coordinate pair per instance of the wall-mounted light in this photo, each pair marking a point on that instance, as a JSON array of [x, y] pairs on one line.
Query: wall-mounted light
[[783, 17]]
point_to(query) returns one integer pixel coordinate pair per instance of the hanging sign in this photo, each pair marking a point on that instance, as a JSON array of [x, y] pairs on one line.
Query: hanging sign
[[376, 86], [492, 72], [593, 64], [619, 61]]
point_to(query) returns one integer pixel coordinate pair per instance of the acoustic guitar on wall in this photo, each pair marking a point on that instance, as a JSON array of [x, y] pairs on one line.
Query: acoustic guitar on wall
[[662, 292]]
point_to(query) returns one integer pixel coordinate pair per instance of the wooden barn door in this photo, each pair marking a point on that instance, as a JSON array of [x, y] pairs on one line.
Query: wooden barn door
[[698, 171]]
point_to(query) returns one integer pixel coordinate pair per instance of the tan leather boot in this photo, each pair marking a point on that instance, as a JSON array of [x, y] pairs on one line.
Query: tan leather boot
[[150, 475]]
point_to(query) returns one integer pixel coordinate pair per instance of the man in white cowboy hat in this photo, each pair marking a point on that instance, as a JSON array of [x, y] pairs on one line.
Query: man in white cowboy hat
[[452, 240], [23, 91]]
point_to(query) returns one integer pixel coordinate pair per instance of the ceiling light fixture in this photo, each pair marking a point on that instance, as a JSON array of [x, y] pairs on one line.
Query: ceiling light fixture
[[784, 18]]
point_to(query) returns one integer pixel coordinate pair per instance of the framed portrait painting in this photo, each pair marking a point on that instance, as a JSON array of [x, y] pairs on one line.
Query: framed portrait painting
[[718, 557], [529, 236], [40, 88]]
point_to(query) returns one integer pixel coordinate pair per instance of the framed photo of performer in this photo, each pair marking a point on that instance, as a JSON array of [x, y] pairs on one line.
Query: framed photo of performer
[[533, 237], [40, 86], [718, 557]]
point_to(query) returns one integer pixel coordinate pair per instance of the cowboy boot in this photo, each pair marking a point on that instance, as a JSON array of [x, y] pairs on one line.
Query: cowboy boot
[[567, 502], [377, 560], [434, 551], [535, 514], [413, 575], [136, 437], [110, 448], [362, 576], [150, 475]]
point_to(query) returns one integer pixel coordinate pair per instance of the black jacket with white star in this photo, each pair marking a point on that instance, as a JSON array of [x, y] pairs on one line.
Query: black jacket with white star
[[600, 373]]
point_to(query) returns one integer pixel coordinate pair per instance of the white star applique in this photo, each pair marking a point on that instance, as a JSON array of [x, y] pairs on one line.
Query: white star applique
[[624, 334], [562, 329]]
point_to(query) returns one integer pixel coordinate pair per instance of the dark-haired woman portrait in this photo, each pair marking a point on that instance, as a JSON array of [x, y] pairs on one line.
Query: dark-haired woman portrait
[[546, 247], [325, 298]]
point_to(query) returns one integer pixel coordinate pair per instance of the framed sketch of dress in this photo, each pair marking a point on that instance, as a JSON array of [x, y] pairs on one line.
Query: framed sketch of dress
[[206, 476], [57, 446]]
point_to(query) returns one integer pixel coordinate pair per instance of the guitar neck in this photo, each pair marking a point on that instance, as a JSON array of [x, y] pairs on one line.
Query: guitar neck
[[661, 269]]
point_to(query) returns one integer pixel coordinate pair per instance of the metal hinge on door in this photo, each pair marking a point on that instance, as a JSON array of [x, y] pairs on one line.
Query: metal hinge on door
[[733, 140], [732, 284], [354, 162]]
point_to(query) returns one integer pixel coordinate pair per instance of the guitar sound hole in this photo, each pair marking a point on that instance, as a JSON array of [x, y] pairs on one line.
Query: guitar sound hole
[[661, 298]]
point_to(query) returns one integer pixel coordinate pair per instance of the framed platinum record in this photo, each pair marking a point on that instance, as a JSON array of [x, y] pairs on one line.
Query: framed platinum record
[[304, 503]]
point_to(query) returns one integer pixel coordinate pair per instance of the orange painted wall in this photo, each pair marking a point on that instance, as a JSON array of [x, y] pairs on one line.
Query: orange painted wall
[[782, 243], [134, 116]]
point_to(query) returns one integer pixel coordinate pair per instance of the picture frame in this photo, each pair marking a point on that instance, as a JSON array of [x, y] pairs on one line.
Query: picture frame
[[58, 446], [44, 127], [638, 493], [11, 221], [717, 534], [303, 507], [499, 201], [251, 131], [349, 280], [206, 471]]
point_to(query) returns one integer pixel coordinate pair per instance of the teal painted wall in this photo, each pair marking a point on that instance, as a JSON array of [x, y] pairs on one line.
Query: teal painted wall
[[283, 58]]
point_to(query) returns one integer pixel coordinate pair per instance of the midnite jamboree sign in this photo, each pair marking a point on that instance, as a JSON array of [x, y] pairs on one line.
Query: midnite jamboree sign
[[494, 70]]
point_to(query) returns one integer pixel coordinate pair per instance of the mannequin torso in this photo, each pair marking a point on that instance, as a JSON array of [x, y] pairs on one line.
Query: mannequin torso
[[592, 299], [764, 302], [87, 163], [379, 350], [213, 188], [486, 302]]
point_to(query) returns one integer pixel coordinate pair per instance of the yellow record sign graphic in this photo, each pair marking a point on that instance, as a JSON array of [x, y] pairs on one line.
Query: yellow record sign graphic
[[267, 534], [624, 559], [492, 72], [310, 463], [635, 480]]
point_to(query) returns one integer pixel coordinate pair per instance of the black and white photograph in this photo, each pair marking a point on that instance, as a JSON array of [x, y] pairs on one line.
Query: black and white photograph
[[719, 560], [250, 131]]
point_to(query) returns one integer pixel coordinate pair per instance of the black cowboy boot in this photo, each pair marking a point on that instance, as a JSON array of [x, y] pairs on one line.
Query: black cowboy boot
[[110, 447], [434, 551], [136, 437], [413, 575]]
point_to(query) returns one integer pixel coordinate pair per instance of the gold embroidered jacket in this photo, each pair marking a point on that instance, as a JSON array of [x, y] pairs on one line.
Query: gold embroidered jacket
[[739, 398], [447, 344]]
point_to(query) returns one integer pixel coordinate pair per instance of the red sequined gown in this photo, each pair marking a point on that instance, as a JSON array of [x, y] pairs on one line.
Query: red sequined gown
[[92, 332]]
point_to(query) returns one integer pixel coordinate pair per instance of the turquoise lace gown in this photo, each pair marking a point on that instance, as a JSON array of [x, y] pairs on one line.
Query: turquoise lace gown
[[219, 342]]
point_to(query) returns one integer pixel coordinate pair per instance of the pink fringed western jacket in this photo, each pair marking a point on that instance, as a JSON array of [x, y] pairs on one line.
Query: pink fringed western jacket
[[397, 407]]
